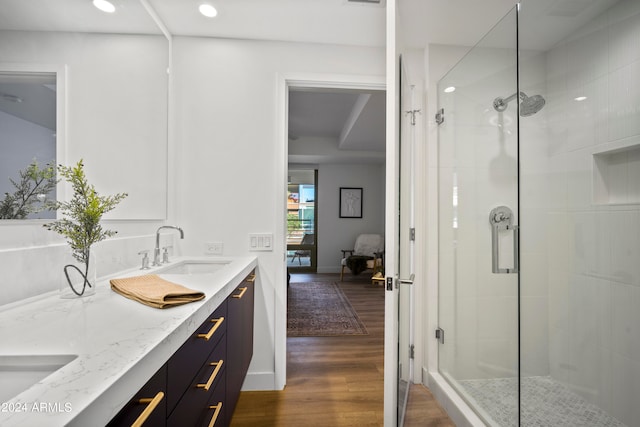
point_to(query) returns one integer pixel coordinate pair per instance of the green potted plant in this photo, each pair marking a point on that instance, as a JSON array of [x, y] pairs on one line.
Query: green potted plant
[[80, 225]]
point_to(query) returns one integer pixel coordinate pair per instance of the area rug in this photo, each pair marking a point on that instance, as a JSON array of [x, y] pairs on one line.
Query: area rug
[[320, 309]]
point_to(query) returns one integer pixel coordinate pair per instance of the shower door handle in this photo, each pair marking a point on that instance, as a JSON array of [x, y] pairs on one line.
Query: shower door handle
[[408, 281], [501, 219]]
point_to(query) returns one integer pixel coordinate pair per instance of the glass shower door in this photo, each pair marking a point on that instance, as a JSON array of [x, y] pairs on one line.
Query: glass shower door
[[408, 116], [478, 218]]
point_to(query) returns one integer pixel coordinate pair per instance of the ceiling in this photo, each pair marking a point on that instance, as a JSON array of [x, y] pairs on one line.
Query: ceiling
[[313, 21], [355, 120], [345, 22], [336, 126], [76, 16]]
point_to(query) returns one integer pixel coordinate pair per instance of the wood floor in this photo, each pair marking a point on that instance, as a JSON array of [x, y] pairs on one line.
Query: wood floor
[[336, 381]]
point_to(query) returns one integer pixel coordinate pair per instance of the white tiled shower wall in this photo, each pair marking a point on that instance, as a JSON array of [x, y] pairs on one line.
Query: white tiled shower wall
[[592, 246]]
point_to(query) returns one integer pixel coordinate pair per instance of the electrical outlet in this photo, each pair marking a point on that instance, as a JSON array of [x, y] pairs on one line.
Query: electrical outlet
[[214, 248]]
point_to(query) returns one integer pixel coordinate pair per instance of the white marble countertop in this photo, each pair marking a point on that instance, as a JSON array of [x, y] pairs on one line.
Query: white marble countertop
[[119, 345]]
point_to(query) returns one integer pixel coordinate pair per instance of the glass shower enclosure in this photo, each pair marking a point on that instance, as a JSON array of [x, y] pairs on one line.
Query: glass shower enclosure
[[539, 217]]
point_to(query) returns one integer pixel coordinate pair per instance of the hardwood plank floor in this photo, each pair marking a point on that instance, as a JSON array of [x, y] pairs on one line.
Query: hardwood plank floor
[[331, 381], [423, 410]]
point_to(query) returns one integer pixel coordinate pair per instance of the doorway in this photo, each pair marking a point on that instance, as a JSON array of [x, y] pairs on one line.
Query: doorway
[[339, 165]]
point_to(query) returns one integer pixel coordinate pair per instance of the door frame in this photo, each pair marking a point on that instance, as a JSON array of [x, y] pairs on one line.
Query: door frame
[[334, 81]]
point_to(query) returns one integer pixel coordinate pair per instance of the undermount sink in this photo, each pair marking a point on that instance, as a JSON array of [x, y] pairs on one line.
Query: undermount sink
[[195, 267], [18, 373]]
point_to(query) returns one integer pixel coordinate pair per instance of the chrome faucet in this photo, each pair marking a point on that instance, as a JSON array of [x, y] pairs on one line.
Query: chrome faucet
[[156, 251]]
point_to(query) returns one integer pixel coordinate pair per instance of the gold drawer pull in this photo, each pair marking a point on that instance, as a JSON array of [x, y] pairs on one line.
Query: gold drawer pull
[[151, 406], [217, 323], [207, 385], [251, 278], [242, 291], [217, 407]]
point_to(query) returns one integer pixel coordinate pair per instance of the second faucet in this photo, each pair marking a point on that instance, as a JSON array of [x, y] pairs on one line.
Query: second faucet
[[156, 250]]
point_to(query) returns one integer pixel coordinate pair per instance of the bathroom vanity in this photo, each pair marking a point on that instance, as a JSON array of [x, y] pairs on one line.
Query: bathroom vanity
[[107, 359], [200, 384]]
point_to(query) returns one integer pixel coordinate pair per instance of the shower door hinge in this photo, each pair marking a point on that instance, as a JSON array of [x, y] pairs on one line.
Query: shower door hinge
[[440, 335], [440, 116], [412, 351], [412, 234]]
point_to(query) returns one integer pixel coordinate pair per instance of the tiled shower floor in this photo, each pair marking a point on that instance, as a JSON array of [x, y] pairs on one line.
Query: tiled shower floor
[[546, 403]]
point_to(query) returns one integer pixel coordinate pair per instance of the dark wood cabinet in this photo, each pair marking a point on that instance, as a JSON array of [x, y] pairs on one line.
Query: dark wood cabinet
[[239, 339], [195, 398], [201, 382], [194, 353], [148, 406]]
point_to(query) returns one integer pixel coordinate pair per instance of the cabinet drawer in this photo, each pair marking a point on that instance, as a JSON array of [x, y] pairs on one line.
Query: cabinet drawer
[[209, 384], [148, 404], [214, 414], [187, 361]]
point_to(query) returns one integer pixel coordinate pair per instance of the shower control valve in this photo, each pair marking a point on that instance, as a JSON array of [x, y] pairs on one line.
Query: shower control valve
[[500, 216]]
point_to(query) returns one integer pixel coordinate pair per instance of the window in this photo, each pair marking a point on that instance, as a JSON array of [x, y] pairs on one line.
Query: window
[[301, 220]]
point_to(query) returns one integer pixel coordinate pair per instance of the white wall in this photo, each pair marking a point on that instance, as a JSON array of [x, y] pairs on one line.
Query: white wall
[[335, 233], [229, 181]]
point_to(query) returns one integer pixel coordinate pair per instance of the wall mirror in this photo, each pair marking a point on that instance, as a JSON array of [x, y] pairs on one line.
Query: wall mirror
[[113, 113], [27, 142]]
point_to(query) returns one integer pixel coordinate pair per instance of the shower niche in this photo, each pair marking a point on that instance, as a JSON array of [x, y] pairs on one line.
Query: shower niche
[[616, 174]]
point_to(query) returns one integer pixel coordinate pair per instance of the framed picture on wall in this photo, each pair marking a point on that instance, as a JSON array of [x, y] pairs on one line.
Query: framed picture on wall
[[350, 202]]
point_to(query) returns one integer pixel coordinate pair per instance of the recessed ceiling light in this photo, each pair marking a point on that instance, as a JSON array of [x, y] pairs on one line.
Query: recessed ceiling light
[[104, 6], [580, 98], [450, 89], [207, 10]]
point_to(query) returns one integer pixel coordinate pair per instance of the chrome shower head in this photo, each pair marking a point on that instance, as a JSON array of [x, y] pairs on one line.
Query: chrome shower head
[[529, 105]]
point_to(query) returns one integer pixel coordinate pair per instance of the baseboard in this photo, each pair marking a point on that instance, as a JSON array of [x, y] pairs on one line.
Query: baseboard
[[259, 381]]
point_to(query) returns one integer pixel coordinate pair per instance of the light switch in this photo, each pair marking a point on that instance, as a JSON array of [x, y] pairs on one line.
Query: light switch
[[260, 241]]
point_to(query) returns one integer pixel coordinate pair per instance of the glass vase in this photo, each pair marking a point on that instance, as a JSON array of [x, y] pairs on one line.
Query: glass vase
[[77, 278]]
